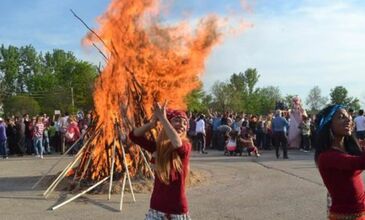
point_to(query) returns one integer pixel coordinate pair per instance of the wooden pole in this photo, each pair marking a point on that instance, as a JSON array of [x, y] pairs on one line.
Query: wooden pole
[[112, 169], [126, 167], [80, 194], [147, 164], [61, 176], [122, 193], [54, 165]]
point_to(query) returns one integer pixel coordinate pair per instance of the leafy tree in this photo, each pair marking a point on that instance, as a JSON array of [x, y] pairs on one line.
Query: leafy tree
[[195, 101], [19, 105], [268, 96], [315, 101], [47, 78], [9, 69], [339, 96], [222, 100], [251, 78]]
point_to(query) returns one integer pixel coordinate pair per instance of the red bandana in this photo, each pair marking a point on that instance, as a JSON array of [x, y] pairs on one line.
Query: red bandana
[[170, 113]]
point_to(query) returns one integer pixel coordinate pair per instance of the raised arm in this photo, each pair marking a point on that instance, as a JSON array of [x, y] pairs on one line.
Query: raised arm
[[138, 132], [160, 113]]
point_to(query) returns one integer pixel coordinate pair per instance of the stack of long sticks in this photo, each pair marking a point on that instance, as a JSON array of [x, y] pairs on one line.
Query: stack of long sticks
[[126, 176], [115, 151]]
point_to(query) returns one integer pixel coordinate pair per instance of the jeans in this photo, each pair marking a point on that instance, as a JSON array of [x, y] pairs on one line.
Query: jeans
[[38, 146], [3, 149], [46, 144]]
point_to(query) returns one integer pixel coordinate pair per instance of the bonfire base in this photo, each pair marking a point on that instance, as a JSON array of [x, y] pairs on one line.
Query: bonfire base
[[140, 184]]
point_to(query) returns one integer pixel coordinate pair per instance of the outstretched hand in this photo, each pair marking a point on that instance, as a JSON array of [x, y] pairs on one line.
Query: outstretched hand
[[160, 111]]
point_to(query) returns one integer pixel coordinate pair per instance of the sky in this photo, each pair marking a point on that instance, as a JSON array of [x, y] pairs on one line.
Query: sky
[[294, 44]]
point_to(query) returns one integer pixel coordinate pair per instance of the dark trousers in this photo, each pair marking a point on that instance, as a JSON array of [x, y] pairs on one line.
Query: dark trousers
[[215, 139], [201, 142], [260, 139], [306, 142], [21, 144], [360, 134], [268, 141], [280, 141], [3, 151]]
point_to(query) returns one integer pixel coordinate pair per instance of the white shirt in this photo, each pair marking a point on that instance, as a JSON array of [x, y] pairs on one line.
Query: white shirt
[[200, 126], [360, 123]]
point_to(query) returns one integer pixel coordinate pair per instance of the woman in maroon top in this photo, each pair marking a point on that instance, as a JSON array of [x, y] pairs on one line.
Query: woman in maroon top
[[340, 162], [171, 153]]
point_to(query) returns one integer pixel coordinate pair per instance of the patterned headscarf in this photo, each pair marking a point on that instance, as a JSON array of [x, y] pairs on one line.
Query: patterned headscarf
[[170, 113], [325, 119]]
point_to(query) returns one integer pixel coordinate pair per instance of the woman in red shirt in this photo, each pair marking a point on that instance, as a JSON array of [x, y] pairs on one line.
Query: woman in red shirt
[[171, 153], [340, 161]]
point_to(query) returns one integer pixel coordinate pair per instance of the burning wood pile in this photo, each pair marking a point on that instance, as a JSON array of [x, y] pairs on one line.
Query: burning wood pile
[[146, 61]]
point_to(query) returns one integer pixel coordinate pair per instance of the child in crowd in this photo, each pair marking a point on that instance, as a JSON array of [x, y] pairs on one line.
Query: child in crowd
[[248, 143], [305, 128], [231, 143]]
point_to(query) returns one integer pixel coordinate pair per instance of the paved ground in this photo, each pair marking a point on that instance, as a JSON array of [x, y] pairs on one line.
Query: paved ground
[[236, 188]]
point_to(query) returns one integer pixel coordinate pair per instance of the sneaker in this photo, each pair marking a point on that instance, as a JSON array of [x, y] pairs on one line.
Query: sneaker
[[41, 156], [258, 155]]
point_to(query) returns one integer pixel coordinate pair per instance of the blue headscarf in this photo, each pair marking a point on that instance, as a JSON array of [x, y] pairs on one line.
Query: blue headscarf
[[328, 117]]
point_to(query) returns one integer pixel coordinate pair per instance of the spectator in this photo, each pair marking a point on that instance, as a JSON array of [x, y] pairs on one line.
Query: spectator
[[305, 129], [279, 127], [72, 134], [63, 124], [360, 125], [3, 139], [38, 137], [201, 134]]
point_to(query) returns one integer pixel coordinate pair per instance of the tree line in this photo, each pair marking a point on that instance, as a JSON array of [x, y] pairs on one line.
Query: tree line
[[241, 94], [35, 82]]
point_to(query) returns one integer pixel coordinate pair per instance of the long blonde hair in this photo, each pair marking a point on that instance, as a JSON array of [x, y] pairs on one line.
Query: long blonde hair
[[167, 158]]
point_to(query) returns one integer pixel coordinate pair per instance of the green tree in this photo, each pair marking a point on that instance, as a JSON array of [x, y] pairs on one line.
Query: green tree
[[251, 78], [47, 78], [268, 96], [339, 96], [19, 105], [221, 93], [195, 101], [252, 99], [315, 101], [9, 69]]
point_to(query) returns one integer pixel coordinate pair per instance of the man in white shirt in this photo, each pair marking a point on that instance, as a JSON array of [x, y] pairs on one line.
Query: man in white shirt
[[200, 133], [63, 124], [360, 125]]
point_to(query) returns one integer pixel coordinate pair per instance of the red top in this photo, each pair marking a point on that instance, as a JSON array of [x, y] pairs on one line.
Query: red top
[[170, 199], [341, 173]]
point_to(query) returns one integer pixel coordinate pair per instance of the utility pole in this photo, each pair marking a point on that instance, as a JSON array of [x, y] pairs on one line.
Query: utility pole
[[72, 100]]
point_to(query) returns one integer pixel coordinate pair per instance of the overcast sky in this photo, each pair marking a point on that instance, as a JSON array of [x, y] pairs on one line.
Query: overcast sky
[[293, 44]]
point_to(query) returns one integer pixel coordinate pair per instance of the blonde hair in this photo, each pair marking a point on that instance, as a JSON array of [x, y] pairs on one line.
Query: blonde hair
[[167, 158]]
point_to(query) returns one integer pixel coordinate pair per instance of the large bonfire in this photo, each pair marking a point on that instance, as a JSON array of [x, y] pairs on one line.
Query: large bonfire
[[146, 61]]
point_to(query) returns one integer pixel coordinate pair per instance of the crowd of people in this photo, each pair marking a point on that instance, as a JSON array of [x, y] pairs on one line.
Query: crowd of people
[[40, 134], [235, 133]]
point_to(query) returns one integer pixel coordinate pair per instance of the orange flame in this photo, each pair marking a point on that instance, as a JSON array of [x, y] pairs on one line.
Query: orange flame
[[166, 60]]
